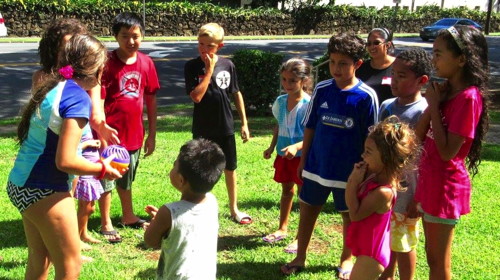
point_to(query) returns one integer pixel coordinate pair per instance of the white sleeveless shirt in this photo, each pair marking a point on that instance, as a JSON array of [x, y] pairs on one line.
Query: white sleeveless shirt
[[190, 250]]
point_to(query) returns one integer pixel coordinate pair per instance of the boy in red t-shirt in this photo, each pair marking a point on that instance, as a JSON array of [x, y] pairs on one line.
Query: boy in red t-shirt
[[129, 80]]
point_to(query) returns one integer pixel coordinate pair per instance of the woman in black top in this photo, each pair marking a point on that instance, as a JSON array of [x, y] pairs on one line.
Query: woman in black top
[[376, 72]]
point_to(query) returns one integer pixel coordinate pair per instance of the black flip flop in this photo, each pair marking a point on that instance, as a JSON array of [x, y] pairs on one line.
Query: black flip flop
[[116, 238], [137, 225]]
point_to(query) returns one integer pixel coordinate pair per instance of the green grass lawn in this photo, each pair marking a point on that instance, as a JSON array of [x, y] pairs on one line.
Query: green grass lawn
[[242, 255]]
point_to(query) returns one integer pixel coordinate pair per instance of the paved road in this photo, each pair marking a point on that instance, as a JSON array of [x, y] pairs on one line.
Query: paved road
[[19, 60]]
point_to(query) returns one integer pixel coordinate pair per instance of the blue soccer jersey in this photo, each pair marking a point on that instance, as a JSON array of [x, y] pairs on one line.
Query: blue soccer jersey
[[340, 120], [35, 163]]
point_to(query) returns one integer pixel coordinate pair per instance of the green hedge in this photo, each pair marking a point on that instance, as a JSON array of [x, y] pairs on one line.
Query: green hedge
[[304, 14], [258, 78]]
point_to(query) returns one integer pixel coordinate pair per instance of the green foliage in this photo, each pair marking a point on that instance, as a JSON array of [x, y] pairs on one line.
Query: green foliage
[[322, 72], [258, 78]]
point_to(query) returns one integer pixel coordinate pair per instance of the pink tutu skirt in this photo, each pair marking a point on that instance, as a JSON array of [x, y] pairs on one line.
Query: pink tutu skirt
[[88, 188]]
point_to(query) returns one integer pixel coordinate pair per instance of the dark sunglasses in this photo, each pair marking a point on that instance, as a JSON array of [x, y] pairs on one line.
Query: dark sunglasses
[[376, 43]]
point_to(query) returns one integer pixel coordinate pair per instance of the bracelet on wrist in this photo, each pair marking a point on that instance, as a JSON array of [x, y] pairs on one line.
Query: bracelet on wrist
[[103, 171]]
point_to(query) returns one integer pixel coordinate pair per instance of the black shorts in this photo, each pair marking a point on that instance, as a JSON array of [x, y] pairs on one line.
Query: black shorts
[[228, 146]]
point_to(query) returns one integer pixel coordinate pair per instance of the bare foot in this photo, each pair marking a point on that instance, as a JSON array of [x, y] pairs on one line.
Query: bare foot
[[344, 270], [84, 246], [86, 259], [293, 267], [90, 239]]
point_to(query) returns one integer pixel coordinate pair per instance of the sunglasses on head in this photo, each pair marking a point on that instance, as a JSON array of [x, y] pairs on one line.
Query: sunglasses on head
[[375, 43]]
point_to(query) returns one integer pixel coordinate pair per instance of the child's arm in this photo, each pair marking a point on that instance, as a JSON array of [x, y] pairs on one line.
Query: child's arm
[[158, 228], [291, 151], [98, 119], [199, 91], [448, 144], [378, 200], [67, 159], [150, 143], [423, 125], [306, 144], [240, 107], [269, 151]]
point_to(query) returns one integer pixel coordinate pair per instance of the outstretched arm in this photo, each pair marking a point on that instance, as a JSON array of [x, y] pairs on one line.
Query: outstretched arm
[[240, 107], [105, 132], [158, 228]]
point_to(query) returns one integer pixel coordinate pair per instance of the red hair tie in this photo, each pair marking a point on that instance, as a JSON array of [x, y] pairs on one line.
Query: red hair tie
[[66, 72]]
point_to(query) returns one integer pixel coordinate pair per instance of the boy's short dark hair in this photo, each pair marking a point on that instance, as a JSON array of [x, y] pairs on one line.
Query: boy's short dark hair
[[418, 59], [201, 163], [127, 20], [347, 44]]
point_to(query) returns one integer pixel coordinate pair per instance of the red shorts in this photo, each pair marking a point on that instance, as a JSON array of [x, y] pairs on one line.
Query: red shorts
[[285, 170]]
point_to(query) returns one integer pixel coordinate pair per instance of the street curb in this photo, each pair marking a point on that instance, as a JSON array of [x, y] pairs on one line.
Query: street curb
[[194, 38]]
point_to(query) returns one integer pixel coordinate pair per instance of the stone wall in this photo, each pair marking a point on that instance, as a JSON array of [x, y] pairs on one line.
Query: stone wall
[[21, 23]]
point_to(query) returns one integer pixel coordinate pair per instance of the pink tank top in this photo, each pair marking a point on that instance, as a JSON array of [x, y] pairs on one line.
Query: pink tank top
[[371, 236]]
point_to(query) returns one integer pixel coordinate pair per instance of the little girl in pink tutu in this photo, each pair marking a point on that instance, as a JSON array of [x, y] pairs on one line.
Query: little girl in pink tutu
[[88, 189]]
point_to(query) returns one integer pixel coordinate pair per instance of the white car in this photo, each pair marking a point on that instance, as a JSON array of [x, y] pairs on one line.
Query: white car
[[3, 29]]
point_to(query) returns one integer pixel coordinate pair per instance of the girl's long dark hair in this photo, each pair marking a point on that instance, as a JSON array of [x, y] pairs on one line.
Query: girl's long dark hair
[[476, 73], [86, 55]]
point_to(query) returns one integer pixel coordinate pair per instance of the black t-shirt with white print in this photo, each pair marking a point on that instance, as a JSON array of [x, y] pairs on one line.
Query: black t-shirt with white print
[[212, 117]]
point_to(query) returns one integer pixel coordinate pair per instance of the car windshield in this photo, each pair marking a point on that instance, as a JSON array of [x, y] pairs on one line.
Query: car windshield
[[446, 22]]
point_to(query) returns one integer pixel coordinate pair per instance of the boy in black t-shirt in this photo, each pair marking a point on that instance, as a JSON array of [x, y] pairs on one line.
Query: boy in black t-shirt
[[210, 80]]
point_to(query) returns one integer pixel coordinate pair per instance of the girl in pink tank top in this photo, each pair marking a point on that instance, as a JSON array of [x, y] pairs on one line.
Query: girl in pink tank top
[[390, 148]]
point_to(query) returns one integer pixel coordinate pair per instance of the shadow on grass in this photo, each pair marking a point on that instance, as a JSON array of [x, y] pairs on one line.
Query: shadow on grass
[[12, 234], [255, 270], [149, 273], [230, 242], [328, 208], [6, 278], [10, 265], [243, 271], [491, 152]]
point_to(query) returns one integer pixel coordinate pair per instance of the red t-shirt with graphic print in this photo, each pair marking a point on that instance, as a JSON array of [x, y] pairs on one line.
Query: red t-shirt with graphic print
[[123, 90]]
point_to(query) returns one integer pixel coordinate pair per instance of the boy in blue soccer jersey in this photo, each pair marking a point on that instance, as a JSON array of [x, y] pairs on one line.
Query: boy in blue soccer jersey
[[336, 125]]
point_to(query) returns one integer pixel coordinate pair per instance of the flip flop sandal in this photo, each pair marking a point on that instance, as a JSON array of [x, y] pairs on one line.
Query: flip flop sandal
[[137, 225], [272, 238], [291, 248], [112, 236], [288, 269], [342, 273], [242, 218]]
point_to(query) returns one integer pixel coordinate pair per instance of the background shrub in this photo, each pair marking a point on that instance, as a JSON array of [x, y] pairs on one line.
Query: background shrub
[[258, 78]]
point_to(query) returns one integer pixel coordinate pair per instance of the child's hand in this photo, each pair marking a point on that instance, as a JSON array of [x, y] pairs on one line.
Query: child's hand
[[91, 143], [245, 133], [111, 173], [358, 174], [290, 151], [151, 210], [412, 210], [268, 152], [210, 60], [436, 93]]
